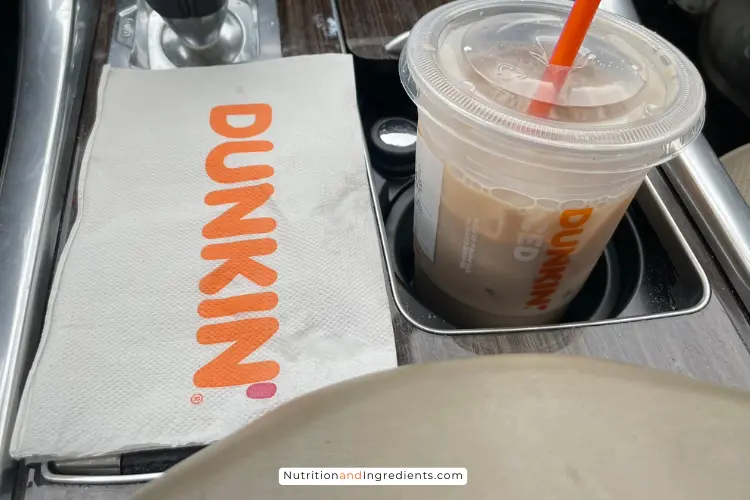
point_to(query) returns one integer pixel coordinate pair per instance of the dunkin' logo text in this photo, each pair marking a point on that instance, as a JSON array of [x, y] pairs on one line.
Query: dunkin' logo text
[[561, 246], [237, 258]]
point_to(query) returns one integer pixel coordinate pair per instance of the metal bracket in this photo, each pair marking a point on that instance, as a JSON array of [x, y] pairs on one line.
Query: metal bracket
[[81, 479]]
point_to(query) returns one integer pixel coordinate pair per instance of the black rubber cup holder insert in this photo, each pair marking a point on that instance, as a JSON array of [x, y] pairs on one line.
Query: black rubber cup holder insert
[[608, 290]]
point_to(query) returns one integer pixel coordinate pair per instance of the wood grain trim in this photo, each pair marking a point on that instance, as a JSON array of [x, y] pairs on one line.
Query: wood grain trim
[[369, 24], [308, 27]]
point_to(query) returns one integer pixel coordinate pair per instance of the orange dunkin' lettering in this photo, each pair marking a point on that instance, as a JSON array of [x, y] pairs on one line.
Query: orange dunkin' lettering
[[540, 298], [227, 369], [219, 121], [558, 241], [571, 219], [216, 308], [558, 257], [549, 276], [238, 257], [233, 221], [562, 244], [238, 261], [218, 170]]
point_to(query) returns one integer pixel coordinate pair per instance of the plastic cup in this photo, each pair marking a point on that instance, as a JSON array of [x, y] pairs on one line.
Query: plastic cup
[[512, 211]]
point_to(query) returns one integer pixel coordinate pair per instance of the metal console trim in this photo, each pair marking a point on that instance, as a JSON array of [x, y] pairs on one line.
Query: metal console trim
[[339, 30], [56, 39], [90, 480], [718, 208]]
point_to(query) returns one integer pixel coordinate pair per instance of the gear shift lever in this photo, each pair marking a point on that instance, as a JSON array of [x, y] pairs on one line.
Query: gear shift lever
[[196, 22], [199, 32]]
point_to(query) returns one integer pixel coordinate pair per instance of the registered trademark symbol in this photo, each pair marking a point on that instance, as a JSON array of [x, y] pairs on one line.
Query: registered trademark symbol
[[196, 399]]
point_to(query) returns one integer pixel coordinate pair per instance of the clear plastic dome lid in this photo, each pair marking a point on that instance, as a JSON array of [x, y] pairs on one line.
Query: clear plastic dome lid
[[487, 60]]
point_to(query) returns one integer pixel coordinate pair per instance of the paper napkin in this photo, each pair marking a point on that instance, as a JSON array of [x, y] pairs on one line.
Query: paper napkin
[[224, 260]]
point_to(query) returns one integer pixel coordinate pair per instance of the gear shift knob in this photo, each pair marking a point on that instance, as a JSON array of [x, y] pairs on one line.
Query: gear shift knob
[[163, 34], [199, 32], [196, 22], [181, 9]]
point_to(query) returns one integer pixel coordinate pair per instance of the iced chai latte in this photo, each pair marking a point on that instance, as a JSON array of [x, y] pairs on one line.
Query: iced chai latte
[[512, 211]]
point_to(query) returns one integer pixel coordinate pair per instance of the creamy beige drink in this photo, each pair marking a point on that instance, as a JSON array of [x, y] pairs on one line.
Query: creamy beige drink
[[488, 239], [512, 211]]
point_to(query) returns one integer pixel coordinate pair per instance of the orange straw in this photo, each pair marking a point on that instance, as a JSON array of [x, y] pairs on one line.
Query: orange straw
[[564, 55]]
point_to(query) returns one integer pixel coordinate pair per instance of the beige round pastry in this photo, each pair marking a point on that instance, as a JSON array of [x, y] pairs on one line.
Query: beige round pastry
[[524, 426]]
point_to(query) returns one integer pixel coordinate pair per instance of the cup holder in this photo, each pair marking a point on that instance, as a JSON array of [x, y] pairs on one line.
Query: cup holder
[[606, 293], [647, 271]]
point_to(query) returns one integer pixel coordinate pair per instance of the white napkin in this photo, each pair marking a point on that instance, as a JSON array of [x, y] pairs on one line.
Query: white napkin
[[173, 320]]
